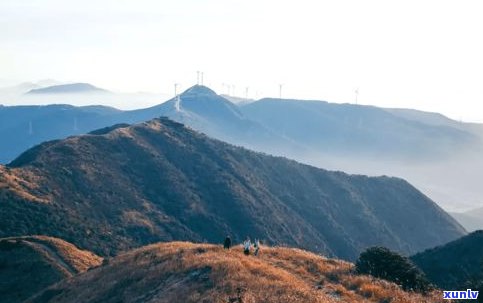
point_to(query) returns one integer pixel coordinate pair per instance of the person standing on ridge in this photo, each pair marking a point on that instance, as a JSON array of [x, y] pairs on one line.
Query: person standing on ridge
[[256, 246], [246, 246], [227, 243]]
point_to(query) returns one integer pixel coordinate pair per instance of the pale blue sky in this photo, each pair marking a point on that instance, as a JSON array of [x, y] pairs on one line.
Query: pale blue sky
[[418, 54]]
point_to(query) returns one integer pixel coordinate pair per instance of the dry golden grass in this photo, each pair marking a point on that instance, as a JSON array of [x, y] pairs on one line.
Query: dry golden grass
[[12, 180], [30, 264], [76, 259], [186, 272], [80, 260]]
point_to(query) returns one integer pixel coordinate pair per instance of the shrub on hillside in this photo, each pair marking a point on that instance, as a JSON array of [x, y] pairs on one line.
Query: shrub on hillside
[[382, 263]]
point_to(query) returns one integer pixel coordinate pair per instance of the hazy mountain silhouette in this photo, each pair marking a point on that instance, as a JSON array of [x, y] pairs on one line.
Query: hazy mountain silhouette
[[22, 127], [159, 181], [30, 264], [192, 273], [348, 129], [451, 265], [471, 220], [68, 89]]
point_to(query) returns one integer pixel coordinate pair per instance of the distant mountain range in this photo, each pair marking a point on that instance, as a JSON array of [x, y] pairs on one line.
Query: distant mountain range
[[418, 146], [124, 187], [453, 265], [353, 130], [50, 92]]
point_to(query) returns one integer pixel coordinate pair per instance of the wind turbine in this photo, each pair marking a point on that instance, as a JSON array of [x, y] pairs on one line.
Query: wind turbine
[[177, 101], [357, 94], [176, 89], [198, 77], [280, 91]]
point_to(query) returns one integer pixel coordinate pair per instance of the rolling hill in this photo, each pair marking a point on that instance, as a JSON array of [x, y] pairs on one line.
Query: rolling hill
[[124, 187], [186, 272], [30, 264]]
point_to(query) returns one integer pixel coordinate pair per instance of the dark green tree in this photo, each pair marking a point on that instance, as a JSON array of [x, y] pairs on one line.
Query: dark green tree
[[385, 264]]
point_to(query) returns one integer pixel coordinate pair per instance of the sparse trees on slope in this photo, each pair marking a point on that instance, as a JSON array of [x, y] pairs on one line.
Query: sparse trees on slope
[[383, 263]]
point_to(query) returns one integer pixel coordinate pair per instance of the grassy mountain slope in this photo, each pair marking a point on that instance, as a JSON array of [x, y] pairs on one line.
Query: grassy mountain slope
[[185, 272], [30, 264], [159, 181]]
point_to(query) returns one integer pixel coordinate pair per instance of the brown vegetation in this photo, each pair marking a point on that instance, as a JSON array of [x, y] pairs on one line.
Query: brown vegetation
[[29, 264], [186, 272]]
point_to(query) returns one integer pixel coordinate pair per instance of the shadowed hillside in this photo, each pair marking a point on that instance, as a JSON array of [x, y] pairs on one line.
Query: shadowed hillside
[[160, 181], [451, 265], [185, 272], [29, 264]]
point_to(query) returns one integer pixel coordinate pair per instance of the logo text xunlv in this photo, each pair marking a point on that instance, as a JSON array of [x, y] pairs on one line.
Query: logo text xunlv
[[460, 294]]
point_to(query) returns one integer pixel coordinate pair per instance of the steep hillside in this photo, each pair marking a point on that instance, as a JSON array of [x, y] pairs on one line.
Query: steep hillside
[[30, 264], [451, 265], [159, 181], [185, 272]]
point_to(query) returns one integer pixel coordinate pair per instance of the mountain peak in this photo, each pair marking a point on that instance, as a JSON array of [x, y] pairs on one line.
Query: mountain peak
[[199, 90]]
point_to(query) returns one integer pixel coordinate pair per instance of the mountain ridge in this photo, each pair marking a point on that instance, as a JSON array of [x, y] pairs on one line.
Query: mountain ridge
[[168, 182]]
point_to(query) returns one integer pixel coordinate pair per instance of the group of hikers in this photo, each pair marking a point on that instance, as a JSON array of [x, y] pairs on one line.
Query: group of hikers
[[247, 245]]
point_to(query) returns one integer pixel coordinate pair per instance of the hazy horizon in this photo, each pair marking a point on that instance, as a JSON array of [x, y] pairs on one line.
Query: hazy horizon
[[420, 55]]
